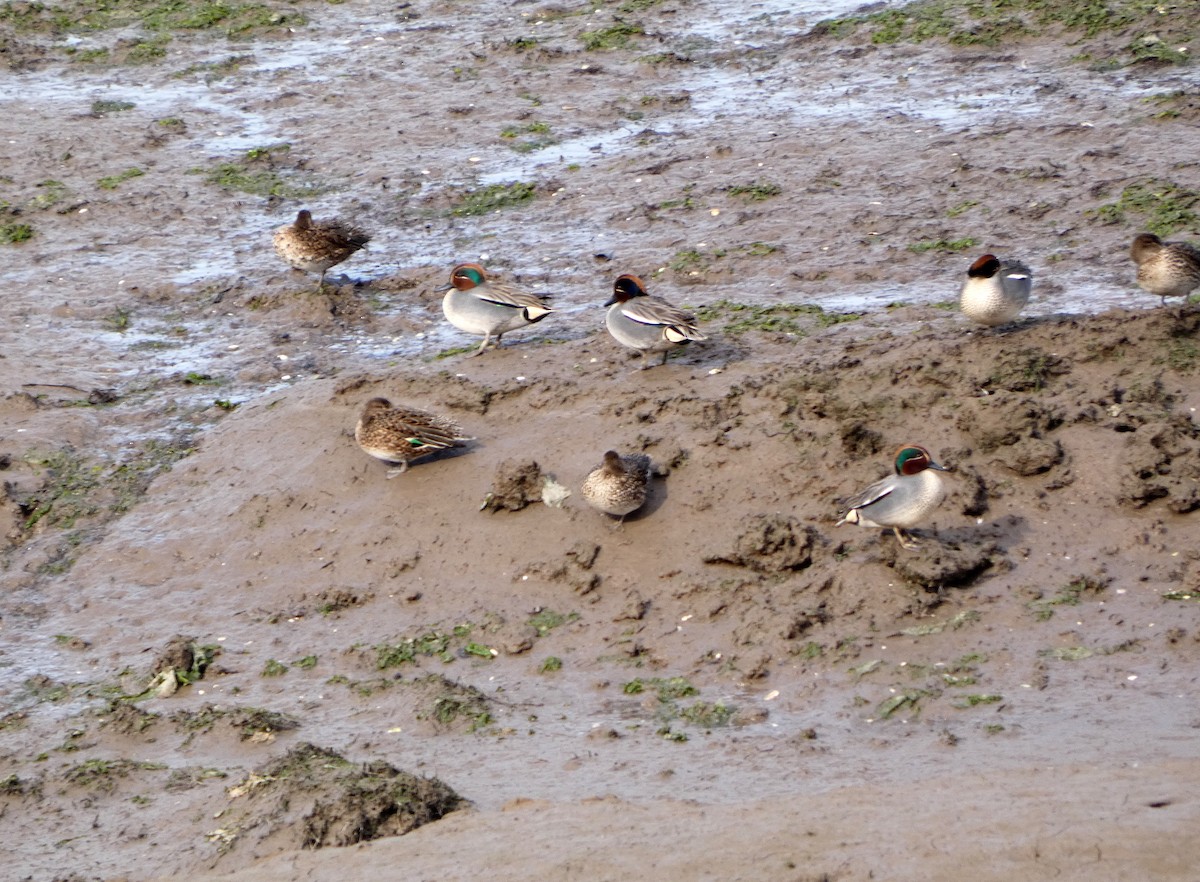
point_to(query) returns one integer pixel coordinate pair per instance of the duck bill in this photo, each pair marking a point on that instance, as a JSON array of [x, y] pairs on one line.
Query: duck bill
[[940, 468], [610, 301]]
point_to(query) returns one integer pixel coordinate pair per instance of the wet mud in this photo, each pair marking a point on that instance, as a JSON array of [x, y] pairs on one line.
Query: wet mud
[[235, 647]]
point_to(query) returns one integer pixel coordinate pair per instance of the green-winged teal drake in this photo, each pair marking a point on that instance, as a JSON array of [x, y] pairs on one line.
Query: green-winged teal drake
[[900, 501], [488, 309], [647, 324], [995, 291]]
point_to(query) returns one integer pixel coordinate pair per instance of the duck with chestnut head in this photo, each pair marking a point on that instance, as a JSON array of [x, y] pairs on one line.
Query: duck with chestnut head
[[477, 305], [995, 291], [900, 501], [647, 324]]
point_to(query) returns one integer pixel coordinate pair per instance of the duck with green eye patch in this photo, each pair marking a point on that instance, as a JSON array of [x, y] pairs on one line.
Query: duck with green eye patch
[[647, 324], [479, 306], [900, 501]]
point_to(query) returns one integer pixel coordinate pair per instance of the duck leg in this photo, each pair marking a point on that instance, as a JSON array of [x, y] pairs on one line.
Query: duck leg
[[487, 338]]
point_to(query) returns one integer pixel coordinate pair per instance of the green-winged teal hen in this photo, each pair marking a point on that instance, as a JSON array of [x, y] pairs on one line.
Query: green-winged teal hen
[[314, 247], [1168, 269], [398, 434], [618, 485]]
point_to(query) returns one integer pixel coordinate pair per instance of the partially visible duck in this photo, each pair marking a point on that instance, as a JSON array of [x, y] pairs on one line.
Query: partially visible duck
[[1168, 269]]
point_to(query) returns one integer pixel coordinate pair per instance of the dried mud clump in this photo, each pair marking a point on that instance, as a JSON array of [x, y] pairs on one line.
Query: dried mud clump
[[181, 661], [251, 723], [518, 483], [859, 441], [1003, 420], [450, 706], [1031, 456], [1025, 370], [939, 565], [127, 719], [12, 516], [1164, 463], [14, 785], [771, 543], [314, 798], [1013, 428], [179, 654], [334, 600], [575, 567], [973, 490]]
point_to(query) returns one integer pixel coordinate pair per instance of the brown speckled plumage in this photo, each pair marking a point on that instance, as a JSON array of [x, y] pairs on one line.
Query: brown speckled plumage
[[618, 485], [399, 434], [315, 247], [1168, 269]]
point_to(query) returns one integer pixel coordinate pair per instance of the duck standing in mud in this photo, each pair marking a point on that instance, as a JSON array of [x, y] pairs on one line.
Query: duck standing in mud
[[1168, 269], [482, 307], [900, 501], [647, 324], [995, 291], [315, 247]]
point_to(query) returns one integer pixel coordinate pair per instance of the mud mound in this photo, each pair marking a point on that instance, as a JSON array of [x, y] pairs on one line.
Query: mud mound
[[1163, 461], [938, 565], [313, 798], [518, 483], [770, 544]]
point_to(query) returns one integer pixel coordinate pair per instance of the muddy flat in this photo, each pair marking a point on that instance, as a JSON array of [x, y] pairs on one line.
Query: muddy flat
[[237, 649]]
